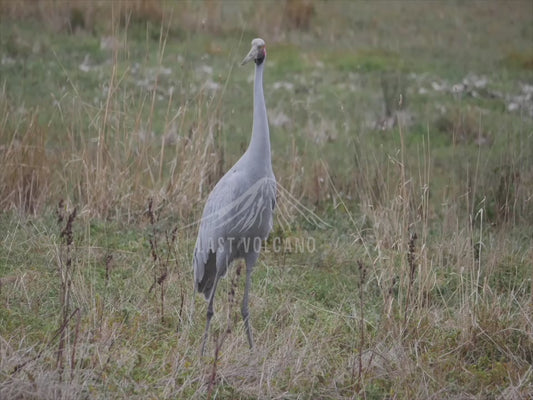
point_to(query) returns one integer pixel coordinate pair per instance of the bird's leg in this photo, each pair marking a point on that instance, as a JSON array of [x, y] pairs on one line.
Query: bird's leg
[[245, 312], [250, 262], [209, 313]]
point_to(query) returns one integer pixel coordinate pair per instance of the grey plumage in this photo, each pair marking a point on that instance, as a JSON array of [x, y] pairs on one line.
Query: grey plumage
[[238, 212]]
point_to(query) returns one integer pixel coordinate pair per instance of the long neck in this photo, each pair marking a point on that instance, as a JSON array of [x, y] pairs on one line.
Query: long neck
[[259, 148]]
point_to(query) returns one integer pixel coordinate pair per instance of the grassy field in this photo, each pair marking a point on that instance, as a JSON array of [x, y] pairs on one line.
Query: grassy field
[[401, 261]]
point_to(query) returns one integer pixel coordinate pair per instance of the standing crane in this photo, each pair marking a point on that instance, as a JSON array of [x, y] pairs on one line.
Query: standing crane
[[238, 213]]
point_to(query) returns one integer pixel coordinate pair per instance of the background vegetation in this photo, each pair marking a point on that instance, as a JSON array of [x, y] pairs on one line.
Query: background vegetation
[[402, 136]]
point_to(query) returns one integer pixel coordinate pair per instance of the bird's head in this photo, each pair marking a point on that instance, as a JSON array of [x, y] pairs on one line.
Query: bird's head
[[257, 52]]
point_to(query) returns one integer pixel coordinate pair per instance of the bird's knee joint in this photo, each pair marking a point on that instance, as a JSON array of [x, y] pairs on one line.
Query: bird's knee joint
[[210, 313]]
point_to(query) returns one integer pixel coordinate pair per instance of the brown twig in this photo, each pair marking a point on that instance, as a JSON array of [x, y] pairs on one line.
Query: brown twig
[[362, 279], [65, 274], [412, 270]]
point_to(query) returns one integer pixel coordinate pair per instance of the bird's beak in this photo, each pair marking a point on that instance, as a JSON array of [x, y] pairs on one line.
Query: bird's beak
[[251, 56]]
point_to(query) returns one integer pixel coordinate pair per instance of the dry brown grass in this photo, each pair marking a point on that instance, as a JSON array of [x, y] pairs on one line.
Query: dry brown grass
[[26, 166], [110, 167]]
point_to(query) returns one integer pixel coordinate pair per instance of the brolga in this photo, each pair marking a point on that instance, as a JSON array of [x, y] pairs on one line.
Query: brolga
[[238, 213]]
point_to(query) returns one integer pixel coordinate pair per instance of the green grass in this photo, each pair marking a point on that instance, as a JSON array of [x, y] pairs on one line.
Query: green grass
[[368, 313]]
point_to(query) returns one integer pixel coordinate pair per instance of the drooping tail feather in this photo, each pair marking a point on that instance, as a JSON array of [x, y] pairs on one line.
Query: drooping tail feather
[[204, 283]]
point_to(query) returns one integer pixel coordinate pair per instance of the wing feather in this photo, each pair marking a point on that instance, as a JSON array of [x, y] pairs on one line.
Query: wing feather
[[235, 208]]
